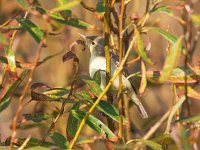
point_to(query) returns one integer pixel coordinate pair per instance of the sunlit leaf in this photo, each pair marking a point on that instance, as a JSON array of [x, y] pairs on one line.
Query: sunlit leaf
[[66, 6], [62, 2], [56, 92], [64, 13], [143, 82], [11, 58], [196, 19], [171, 60], [93, 85], [35, 31], [71, 22], [5, 101], [59, 140], [38, 117], [140, 47], [191, 92], [3, 40], [96, 124], [153, 145], [72, 123], [23, 3]]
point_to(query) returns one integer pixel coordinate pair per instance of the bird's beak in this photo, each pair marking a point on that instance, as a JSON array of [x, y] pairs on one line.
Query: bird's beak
[[83, 36]]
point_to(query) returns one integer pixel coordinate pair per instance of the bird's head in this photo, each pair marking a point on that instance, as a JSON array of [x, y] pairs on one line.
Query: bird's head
[[95, 44]]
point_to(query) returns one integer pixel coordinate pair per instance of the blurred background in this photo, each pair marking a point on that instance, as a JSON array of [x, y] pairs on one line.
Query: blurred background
[[157, 98]]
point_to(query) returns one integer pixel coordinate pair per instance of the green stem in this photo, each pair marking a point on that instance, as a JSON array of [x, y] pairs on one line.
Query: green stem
[[106, 20]]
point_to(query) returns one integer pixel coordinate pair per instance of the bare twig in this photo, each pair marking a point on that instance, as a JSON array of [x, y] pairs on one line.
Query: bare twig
[[26, 87], [61, 109], [87, 7]]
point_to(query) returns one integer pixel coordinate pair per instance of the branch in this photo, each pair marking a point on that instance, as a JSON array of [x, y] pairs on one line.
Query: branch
[[120, 108], [87, 7], [26, 87], [102, 94]]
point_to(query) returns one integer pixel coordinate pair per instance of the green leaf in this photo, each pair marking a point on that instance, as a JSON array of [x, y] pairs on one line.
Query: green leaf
[[38, 117], [11, 58], [95, 124], [171, 38], [93, 85], [23, 3], [171, 60], [3, 40], [33, 142], [105, 107], [185, 140], [35, 31], [110, 110], [56, 92], [153, 145], [71, 22], [192, 119], [62, 2], [100, 7], [140, 47], [26, 126], [163, 138], [162, 9], [66, 6], [5, 101], [196, 19], [59, 140], [72, 123], [97, 77]]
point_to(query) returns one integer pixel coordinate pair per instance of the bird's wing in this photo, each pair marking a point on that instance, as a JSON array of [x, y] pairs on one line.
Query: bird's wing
[[115, 60]]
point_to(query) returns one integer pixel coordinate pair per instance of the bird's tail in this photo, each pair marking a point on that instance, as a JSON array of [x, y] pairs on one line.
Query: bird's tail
[[132, 95]]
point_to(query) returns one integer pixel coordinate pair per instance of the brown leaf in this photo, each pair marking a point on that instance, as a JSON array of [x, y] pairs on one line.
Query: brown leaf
[[70, 55]]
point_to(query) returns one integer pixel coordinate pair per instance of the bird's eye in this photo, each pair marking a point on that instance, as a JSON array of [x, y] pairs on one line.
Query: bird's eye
[[93, 43]]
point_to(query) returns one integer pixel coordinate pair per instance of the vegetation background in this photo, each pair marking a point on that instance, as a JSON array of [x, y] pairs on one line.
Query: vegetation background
[[177, 18]]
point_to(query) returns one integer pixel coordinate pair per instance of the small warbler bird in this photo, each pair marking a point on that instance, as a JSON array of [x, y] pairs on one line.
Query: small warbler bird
[[98, 62]]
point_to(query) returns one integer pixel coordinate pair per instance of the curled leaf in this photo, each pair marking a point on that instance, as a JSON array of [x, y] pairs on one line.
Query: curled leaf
[[70, 55]]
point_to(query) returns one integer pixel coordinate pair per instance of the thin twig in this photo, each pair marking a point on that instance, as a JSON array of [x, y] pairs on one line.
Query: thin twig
[[147, 6], [152, 130], [155, 127], [21, 99], [87, 7], [101, 95], [61, 110]]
